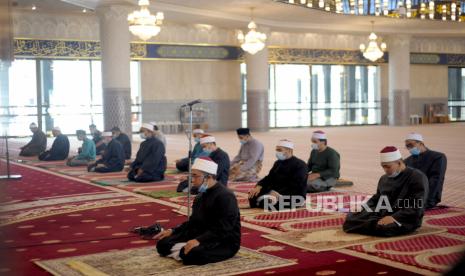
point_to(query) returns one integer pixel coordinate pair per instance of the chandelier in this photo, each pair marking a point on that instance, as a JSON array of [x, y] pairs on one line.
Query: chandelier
[[445, 10], [142, 23], [253, 41], [373, 52]]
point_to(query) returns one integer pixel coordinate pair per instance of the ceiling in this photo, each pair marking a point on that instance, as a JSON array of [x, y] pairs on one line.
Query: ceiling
[[269, 14]]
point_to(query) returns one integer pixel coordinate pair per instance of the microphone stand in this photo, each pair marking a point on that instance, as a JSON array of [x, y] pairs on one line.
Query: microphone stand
[[189, 137], [189, 181]]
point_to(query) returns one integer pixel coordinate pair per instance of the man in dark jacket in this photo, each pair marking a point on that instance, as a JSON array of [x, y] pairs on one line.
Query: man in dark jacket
[[97, 138], [213, 232], [113, 157], [59, 149], [150, 162], [38, 143], [218, 156], [432, 163], [397, 208], [123, 138], [285, 184]]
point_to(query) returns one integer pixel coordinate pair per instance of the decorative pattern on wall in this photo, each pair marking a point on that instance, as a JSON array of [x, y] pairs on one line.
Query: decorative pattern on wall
[[319, 56], [439, 59], [67, 49], [166, 51], [32, 48]]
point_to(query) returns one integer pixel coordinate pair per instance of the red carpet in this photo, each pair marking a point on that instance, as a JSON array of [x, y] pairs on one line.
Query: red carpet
[[105, 229], [79, 218], [36, 184]]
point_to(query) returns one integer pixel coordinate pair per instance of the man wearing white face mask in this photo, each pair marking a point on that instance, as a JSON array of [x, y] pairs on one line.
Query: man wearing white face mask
[[183, 164], [248, 163], [397, 208], [213, 232], [323, 164], [287, 178], [431, 163], [150, 162]]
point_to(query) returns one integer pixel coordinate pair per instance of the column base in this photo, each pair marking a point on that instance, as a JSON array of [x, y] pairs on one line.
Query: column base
[[258, 118], [117, 109], [399, 108]]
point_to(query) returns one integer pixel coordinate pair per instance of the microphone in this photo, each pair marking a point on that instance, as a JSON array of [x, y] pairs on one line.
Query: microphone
[[192, 103]]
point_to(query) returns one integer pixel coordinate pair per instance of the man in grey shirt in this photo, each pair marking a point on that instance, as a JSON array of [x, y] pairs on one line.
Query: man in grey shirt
[[249, 161]]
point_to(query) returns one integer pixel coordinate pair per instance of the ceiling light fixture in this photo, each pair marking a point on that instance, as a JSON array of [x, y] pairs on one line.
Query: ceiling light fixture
[[253, 41], [373, 52], [143, 24]]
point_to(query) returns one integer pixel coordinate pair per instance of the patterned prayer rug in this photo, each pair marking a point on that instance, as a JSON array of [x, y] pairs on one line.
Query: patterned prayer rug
[[432, 252], [333, 238], [145, 261]]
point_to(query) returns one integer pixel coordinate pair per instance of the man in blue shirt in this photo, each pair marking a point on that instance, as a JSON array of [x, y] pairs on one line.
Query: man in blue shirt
[[87, 153], [183, 164]]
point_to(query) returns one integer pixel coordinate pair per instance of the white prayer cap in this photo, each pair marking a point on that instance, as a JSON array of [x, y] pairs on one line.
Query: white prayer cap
[[390, 154], [286, 143], [207, 139], [414, 136], [320, 135], [147, 126], [198, 131], [107, 134], [32, 125], [57, 128], [205, 164]]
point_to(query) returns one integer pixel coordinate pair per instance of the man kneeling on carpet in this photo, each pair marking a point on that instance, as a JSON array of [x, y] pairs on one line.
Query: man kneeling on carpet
[[213, 232], [397, 208], [285, 185], [150, 163], [59, 149], [87, 152], [113, 156], [323, 164]]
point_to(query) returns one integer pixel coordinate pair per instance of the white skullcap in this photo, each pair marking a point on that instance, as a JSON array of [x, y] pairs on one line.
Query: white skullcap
[[57, 128], [286, 143], [205, 164], [147, 126], [320, 135], [198, 131], [207, 139], [32, 125], [107, 134], [390, 154], [414, 136]]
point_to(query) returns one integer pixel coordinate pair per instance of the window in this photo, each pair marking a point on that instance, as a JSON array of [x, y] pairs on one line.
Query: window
[[18, 97], [457, 94], [321, 95], [70, 95]]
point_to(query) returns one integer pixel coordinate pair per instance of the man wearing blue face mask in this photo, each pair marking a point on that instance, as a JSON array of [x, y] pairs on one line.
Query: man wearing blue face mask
[[213, 232], [183, 164], [323, 164], [286, 178], [150, 162], [397, 208], [432, 163], [219, 156], [248, 163]]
